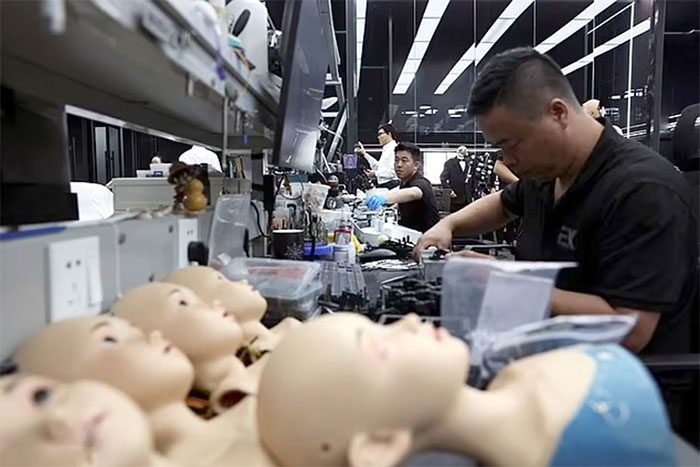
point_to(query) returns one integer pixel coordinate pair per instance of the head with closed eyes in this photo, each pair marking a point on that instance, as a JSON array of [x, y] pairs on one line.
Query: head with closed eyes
[[201, 331], [369, 388], [238, 298], [147, 368]]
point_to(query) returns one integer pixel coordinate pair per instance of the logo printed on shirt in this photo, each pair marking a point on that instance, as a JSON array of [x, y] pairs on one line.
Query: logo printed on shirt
[[566, 237]]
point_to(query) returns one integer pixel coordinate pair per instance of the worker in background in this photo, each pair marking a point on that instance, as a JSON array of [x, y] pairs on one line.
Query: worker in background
[[593, 108], [199, 155], [383, 169], [454, 176], [416, 199]]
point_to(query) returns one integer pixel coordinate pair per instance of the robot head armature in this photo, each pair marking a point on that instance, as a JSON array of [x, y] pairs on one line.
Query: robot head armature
[[79, 423], [186, 320], [237, 297], [364, 390], [150, 370]]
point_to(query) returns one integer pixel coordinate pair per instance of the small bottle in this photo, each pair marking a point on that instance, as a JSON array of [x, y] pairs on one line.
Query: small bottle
[[343, 234]]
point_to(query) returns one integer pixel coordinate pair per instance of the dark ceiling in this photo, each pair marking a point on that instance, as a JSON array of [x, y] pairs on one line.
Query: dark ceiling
[[465, 22]]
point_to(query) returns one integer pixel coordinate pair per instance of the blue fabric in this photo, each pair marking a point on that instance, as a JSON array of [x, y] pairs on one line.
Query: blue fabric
[[623, 420]]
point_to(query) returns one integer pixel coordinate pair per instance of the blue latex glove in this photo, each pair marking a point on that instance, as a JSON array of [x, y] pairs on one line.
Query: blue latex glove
[[374, 202]]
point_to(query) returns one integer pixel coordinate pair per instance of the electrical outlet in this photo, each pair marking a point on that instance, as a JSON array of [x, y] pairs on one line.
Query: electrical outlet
[[75, 281], [187, 231]]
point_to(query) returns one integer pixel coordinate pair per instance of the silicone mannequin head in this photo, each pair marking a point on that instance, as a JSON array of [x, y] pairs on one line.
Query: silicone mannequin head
[[197, 329], [48, 423], [358, 369], [237, 297], [592, 108], [149, 370]]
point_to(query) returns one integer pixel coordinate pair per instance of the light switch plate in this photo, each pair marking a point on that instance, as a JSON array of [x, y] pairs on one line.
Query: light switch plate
[[187, 231], [74, 277]]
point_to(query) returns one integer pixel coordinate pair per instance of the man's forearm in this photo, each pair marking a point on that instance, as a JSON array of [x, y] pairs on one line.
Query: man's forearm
[[482, 216], [404, 195], [565, 302], [373, 163]]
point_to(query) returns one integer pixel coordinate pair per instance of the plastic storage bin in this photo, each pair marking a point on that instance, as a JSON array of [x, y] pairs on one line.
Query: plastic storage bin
[[291, 288]]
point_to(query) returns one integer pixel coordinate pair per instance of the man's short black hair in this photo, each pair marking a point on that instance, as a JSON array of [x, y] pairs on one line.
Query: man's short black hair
[[388, 128], [410, 148], [521, 79]]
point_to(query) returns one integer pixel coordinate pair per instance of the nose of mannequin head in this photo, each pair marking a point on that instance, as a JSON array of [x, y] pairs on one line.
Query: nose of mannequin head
[[237, 297], [373, 386], [112, 351], [182, 317], [63, 424]]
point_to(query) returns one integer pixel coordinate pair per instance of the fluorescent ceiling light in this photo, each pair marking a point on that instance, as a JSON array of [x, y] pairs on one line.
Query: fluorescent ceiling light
[[476, 53], [576, 24], [623, 38], [456, 116], [428, 24], [425, 107], [361, 11], [615, 97]]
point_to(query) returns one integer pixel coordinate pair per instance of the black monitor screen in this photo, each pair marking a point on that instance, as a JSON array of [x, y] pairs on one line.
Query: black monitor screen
[[305, 62]]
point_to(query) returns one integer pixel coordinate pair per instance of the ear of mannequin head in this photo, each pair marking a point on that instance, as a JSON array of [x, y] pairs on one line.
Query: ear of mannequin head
[[149, 370], [369, 387], [237, 297], [183, 317], [48, 423]]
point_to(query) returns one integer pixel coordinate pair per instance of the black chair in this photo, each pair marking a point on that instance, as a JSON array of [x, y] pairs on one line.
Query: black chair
[[685, 154]]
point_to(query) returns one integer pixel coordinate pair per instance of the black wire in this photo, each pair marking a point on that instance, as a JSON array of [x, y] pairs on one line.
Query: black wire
[[257, 217]]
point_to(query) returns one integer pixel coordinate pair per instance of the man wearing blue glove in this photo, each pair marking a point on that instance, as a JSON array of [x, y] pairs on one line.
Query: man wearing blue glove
[[416, 199]]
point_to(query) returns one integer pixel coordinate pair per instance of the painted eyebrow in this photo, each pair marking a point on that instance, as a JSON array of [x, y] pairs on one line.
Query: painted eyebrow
[[9, 387], [99, 325], [173, 291]]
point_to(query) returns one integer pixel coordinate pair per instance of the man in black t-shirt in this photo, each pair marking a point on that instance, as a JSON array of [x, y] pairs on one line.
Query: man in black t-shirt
[[585, 194], [416, 199]]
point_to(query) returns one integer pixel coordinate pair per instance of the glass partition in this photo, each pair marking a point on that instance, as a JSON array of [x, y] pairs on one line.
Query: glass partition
[[421, 58]]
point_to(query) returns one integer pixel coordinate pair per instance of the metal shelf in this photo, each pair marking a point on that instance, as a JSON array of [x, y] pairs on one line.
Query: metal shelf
[[151, 63]]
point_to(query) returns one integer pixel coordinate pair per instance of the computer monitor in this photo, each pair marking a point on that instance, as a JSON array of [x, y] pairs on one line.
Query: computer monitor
[[305, 63]]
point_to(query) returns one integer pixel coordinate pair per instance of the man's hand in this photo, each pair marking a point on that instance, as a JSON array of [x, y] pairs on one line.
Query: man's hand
[[371, 173], [439, 236], [453, 194], [362, 148], [469, 254]]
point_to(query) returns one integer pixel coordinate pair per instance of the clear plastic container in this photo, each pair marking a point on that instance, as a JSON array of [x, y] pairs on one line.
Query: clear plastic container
[[291, 288], [482, 297], [228, 227]]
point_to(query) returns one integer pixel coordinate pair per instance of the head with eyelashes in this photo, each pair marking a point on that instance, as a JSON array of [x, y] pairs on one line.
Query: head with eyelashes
[[199, 330], [354, 372], [148, 369], [84, 422], [236, 297]]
